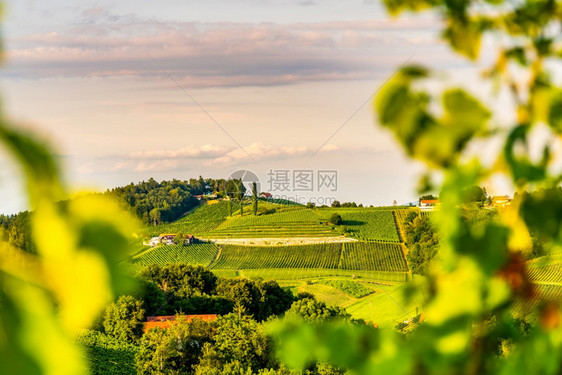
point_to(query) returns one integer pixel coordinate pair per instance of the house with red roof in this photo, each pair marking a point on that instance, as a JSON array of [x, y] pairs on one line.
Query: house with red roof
[[167, 321], [429, 204]]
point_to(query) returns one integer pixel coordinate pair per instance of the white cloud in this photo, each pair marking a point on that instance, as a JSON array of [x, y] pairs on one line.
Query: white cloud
[[259, 151], [222, 54], [205, 151], [206, 155]]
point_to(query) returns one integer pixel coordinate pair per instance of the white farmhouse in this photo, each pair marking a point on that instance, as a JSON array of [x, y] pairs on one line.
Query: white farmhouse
[[154, 241]]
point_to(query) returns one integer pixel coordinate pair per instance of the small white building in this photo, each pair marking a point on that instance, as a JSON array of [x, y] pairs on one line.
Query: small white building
[[154, 241], [429, 204], [169, 239]]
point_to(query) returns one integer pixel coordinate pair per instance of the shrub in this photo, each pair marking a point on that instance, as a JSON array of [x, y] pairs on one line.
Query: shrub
[[336, 219]]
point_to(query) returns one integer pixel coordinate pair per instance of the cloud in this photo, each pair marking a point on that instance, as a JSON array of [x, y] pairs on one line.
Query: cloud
[[184, 158], [221, 54], [261, 152], [193, 152]]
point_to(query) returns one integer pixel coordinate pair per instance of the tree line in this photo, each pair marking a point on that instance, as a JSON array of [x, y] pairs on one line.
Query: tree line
[[423, 242]]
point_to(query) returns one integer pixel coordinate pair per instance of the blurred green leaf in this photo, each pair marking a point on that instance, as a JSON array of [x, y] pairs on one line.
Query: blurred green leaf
[[522, 169], [464, 36], [406, 113], [79, 244], [555, 113], [517, 54], [397, 6], [37, 163], [542, 212]]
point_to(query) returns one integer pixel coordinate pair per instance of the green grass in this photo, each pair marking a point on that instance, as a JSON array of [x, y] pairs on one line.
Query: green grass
[[229, 274], [285, 274], [352, 288], [137, 247], [373, 256], [387, 307], [195, 254], [326, 293]]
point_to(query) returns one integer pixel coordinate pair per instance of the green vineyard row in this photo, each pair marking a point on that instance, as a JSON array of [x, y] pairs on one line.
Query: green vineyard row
[[547, 273], [361, 259], [196, 254], [296, 256], [213, 221]]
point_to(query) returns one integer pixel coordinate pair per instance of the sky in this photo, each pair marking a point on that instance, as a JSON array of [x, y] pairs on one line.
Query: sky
[[129, 90]]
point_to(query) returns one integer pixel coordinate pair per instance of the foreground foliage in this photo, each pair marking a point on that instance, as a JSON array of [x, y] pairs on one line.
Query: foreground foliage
[[107, 355], [79, 244], [481, 272]]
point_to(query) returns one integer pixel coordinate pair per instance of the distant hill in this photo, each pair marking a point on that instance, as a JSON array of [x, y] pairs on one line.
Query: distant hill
[[212, 221], [360, 264]]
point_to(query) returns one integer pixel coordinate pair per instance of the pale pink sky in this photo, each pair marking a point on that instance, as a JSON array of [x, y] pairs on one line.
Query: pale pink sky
[[279, 76]]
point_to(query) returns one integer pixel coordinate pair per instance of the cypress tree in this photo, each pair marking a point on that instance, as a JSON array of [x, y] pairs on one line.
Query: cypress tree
[[255, 194]]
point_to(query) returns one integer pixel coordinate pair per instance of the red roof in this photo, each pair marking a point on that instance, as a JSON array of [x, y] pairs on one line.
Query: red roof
[[167, 321], [430, 201]]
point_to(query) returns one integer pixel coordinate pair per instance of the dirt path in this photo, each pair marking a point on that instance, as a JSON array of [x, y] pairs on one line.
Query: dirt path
[[279, 241]]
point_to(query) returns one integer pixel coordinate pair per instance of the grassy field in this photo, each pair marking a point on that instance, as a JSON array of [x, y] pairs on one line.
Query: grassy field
[[280, 274], [387, 307], [137, 247], [351, 288], [326, 293]]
